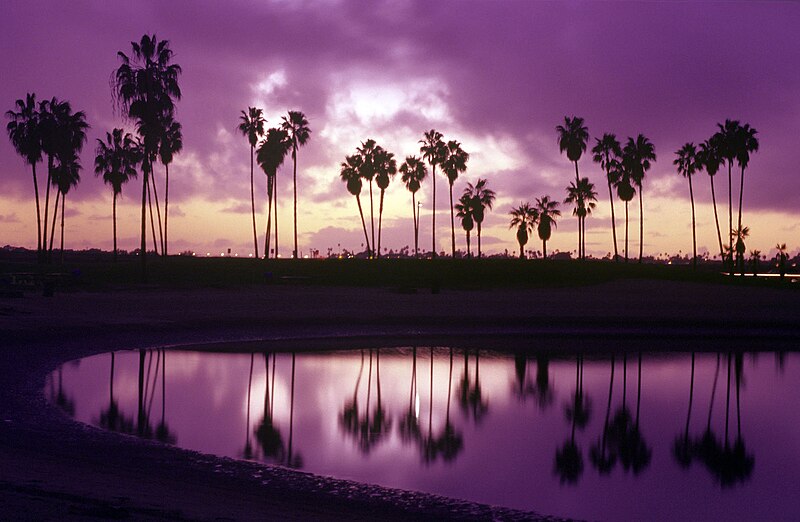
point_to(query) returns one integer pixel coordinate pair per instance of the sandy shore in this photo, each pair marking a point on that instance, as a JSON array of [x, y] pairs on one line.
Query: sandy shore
[[55, 468]]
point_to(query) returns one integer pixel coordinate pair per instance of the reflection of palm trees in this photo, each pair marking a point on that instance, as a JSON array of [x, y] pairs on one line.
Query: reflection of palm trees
[[602, 456], [450, 442], [247, 452], [545, 393], [112, 418], [162, 430], [579, 410], [293, 461], [569, 459], [470, 395], [409, 425], [267, 434], [682, 449], [61, 398], [427, 442], [348, 420], [374, 425], [625, 434]]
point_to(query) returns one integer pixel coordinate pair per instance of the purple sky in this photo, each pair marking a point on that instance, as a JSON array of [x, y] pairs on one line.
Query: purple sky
[[497, 76]]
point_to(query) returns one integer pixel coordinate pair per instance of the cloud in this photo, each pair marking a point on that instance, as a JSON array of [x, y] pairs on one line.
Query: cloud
[[9, 218], [238, 208]]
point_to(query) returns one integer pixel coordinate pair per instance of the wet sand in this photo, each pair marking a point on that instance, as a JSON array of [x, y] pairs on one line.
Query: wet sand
[[55, 468]]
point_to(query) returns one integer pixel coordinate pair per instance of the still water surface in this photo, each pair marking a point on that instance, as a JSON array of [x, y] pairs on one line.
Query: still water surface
[[701, 436]]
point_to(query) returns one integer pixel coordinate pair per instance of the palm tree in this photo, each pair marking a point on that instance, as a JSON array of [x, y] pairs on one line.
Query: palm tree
[[434, 151], [548, 212], [455, 164], [296, 125], [710, 159], [252, 126], [607, 150], [639, 153], [740, 234], [465, 210], [482, 199], [351, 175], [367, 170], [146, 85], [25, 134], [116, 161], [746, 143], [625, 191], [66, 174], [524, 218], [385, 169], [413, 172], [583, 196], [171, 144], [782, 257], [726, 140], [572, 138], [688, 163], [270, 156]]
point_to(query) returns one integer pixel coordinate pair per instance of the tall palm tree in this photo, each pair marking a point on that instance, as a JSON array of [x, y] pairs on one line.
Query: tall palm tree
[[640, 154], [385, 169], [548, 212], [583, 196], [625, 191], [413, 173], [270, 156], [367, 169], [572, 138], [25, 134], [296, 124], [351, 174], [482, 199], [710, 159], [688, 163], [524, 218], [146, 86], [455, 164], [746, 143], [66, 174], [606, 151], [726, 139], [434, 151], [251, 125], [466, 211], [171, 144], [116, 161]]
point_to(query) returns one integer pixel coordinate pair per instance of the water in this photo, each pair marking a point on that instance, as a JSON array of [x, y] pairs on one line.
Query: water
[[603, 437]]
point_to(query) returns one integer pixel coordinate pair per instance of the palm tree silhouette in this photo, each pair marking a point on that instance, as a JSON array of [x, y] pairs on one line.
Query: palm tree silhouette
[[466, 211], [782, 256], [606, 151], [385, 169], [755, 255], [740, 234], [688, 163], [270, 156], [482, 199], [524, 218], [66, 174], [746, 143], [24, 131], [625, 191], [296, 125], [583, 196], [726, 141], [171, 144], [640, 154], [548, 212], [572, 138], [434, 151], [709, 157], [351, 174], [369, 151], [116, 161], [146, 85], [455, 164], [413, 172], [252, 127]]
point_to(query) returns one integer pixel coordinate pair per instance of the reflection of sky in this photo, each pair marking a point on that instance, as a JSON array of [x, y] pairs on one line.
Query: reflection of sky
[[508, 458]]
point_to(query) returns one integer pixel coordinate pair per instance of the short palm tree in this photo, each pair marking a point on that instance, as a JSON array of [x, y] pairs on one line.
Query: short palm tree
[[524, 218], [270, 156], [351, 175], [146, 86], [455, 164], [710, 159], [25, 135], [412, 173], [740, 249], [746, 142], [640, 154], [466, 211], [583, 196], [66, 175], [782, 256], [548, 212], [385, 169], [606, 151], [116, 161], [251, 125], [688, 164], [625, 191], [482, 199], [296, 124], [434, 151], [726, 140], [171, 144]]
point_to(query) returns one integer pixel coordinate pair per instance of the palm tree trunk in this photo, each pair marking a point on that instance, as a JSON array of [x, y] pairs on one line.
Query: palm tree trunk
[[363, 223], [641, 225], [452, 224], [53, 226], [39, 246], [143, 245], [716, 221], [63, 205], [694, 232], [433, 216], [479, 239], [730, 216], [114, 219], [275, 195], [380, 222], [158, 211], [269, 217], [47, 199], [152, 221], [728, 400], [691, 397], [294, 182], [253, 201], [544, 249], [416, 225], [741, 192], [521, 250], [469, 251], [626, 231], [613, 218], [371, 218], [166, 210]]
